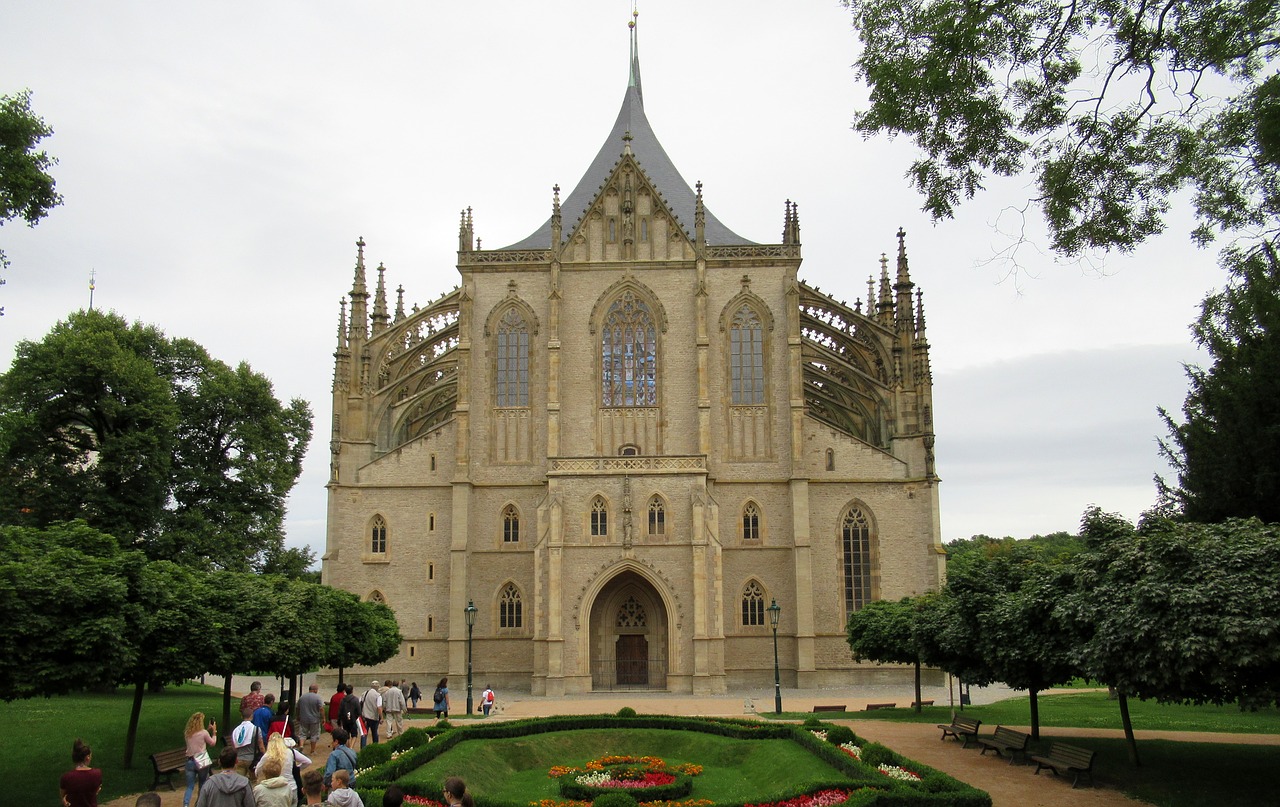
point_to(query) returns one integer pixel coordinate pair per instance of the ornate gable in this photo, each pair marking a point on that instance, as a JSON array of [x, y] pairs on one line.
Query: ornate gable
[[628, 220]]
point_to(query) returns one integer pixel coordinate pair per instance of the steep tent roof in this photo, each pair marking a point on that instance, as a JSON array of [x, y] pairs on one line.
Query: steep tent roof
[[652, 158]]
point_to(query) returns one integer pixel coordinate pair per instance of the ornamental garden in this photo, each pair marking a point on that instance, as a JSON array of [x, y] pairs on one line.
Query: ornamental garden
[[627, 759]]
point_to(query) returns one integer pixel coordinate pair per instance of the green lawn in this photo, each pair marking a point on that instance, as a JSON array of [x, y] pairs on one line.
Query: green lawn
[[36, 741], [515, 770], [1089, 710]]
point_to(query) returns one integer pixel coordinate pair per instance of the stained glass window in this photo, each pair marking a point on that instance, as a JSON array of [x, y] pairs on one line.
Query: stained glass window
[[629, 355]]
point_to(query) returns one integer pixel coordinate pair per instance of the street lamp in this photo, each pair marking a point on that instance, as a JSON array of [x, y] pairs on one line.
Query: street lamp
[[470, 613], [775, 611]]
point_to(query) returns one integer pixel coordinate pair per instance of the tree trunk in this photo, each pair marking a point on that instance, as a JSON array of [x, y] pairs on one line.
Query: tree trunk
[[1130, 741], [226, 704], [139, 689], [1035, 715], [918, 684]]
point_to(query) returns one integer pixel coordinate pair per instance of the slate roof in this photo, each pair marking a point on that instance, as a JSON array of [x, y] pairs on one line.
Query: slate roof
[[653, 160]]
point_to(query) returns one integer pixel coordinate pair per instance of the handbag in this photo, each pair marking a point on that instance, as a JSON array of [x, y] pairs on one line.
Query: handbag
[[202, 760]]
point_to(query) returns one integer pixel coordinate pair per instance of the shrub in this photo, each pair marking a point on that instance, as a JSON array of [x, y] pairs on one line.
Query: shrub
[[444, 724], [373, 754], [410, 738], [875, 754], [615, 799], [626, 711], [837, 735], [812, 722]]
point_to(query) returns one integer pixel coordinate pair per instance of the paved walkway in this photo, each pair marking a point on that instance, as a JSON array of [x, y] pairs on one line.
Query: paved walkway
[[1009, 785]]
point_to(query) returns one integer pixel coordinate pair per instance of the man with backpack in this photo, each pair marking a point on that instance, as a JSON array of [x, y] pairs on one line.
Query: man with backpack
[[486, 699]]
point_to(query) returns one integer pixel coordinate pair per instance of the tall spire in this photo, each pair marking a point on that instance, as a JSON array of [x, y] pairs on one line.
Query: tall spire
[[399, 302], [633, 80], [380, 316], [359, 328], [902, 287]]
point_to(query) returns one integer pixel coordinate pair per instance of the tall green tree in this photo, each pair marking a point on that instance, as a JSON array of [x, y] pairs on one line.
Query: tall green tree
[[888, 632], [1227, 449], [27, 191], [150, 439], [1113, 108]]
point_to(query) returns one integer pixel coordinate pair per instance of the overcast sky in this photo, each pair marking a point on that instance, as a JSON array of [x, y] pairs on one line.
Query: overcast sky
[[219, 160]]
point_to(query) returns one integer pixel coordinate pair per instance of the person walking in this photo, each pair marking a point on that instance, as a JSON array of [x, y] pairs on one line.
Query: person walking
[[440, 700], [310, 714], [199, 740], [227, 788], [79, 786], [486, 699], [393, 709], [340, 758], [371, 711], [415, 694]]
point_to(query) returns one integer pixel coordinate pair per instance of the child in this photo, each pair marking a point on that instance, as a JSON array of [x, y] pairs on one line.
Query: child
[[342, 795]]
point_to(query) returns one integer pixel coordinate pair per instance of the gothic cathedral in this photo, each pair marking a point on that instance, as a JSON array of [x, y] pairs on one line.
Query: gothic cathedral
[[622, 439]]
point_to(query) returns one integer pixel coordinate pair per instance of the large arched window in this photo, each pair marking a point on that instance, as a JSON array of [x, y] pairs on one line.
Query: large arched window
[[378, 535], [657, 516], [751, 522], [855, 539], [510, 609], [511, 381], [629, 354], [752, 604], [746, 358], [510, 524], [599, 517]]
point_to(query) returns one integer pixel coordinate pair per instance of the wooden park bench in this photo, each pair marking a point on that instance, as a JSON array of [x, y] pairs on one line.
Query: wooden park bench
[[929, 702], [962, 728], [167, 763], [871, 707], [837, 708], [1065, 759], [1015, 742]]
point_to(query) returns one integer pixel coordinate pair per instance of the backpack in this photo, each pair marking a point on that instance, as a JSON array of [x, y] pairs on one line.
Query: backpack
[[439, 696]]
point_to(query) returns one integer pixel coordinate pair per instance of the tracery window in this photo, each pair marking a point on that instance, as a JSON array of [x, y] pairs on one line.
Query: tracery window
[[378, 536], [510, 607], [855, 535], [751, 522], [376, 596], [511, 382], [510, 524], [746, 358], [657, 516], [599, 517], [752, 604], [629, 354], [631, 614]]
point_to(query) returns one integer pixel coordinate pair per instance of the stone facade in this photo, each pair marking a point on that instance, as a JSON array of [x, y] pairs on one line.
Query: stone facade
[[622, 439]]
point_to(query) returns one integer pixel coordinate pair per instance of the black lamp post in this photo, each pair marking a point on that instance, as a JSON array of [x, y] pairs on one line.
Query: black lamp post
[[775, 611], [470, 613]]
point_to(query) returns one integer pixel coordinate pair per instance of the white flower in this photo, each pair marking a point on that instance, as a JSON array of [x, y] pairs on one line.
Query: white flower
[[821, 735], [852, 749], [894, 772]]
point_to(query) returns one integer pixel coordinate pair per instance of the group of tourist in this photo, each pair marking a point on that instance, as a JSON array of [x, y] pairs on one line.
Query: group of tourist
[[261, 764]]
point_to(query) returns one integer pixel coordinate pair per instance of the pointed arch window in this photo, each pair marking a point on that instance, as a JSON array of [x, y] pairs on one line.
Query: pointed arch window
[[511, 382], [746, 358], [510, 524], [657, 516], [629, 354], [752, 604], [599, 517], [631, 614], [377, 596], [855, 538], [751, 522], [378, 536], [510, 607]]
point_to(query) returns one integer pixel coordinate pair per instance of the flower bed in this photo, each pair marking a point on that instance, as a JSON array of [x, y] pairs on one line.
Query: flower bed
[[660, 781]]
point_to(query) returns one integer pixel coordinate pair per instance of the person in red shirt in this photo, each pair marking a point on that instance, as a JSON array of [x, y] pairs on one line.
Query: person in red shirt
[[335, 704], [79, 787], [254, 699]]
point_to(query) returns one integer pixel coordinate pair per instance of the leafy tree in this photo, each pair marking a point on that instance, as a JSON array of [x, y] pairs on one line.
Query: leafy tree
[[1112, 107], [65, 592], [26, 189], [1179, 612], [150, 439], [1227, 450], [886, 632], [996, 622], [365, 633]]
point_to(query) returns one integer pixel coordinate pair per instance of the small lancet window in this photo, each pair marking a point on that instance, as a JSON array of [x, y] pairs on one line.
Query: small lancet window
[[751, 522], [510, 608], [752, 604], [510, 524], [657, 517], [378, 536], [599, 517]]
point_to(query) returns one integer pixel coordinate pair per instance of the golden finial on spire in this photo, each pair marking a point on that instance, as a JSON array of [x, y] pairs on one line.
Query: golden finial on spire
[[634, 15]]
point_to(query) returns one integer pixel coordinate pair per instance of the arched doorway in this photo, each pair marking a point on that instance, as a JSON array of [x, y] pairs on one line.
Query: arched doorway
[[629, 628]]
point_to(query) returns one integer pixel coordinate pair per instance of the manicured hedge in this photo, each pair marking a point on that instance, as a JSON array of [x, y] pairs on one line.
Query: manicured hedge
[[870, 787]]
